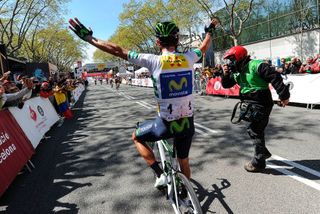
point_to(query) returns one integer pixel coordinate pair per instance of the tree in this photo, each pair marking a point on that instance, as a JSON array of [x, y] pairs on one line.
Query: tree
[[18, 17], [137, 21], [56, 45], [233, 16], [189, 15]]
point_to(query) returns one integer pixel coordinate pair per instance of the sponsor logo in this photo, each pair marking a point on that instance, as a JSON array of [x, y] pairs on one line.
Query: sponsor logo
[[174, 61], [217, 85], [144, 128], [4, 137], [175, 127], [176, 84], [290, 85], [5, 153], [40, 110], [33, 114]]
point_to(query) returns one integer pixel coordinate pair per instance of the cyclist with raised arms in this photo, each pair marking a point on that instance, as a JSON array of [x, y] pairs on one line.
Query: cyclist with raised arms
[[172, 74]]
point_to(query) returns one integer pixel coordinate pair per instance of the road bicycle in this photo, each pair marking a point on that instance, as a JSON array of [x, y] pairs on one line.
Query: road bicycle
[[179, 190]]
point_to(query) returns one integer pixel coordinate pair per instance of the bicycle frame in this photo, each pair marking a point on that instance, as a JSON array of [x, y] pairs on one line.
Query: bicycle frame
[[171, 167]]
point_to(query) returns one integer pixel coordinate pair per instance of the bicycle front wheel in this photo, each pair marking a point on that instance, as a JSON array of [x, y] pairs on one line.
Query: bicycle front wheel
[[188, 201]]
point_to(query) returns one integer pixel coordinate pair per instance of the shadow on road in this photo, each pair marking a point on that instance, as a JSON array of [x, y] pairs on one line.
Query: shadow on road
[[57, 168], [207, 196]]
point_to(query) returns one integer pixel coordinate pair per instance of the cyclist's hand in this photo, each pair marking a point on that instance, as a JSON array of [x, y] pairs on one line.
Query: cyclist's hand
[[211, 26], [78, 28], [283, 103]]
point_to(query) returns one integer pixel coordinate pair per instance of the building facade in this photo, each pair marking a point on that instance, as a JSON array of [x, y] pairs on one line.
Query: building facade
[[277, 28]]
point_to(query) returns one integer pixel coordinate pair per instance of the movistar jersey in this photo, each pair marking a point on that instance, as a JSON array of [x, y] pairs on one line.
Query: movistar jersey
[[172, 75]]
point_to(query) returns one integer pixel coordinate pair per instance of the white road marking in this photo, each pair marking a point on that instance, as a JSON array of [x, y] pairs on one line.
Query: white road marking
[[207, 129], [148, 107], [131, 97], [295, 176], [201, 132], [146, 103], [126, 96], [296, 165]]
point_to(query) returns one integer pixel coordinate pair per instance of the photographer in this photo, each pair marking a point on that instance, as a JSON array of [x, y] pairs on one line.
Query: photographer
[[253, 77]]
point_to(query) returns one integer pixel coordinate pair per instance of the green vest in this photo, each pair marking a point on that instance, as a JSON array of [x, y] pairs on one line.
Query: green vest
[[249, 79]]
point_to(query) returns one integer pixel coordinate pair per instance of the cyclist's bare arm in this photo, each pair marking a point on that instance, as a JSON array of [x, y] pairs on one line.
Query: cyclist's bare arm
[[207, 40], [86, 34], [108, 47]]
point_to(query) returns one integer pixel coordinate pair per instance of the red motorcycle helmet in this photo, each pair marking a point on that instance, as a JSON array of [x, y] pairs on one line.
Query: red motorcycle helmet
[[238, 52]]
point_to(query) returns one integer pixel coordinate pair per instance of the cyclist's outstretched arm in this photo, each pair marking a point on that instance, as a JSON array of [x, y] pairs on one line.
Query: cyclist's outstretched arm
[[209, 30], [86, 34]]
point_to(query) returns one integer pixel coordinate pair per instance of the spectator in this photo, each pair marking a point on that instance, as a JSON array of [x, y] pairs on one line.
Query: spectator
[[5, 76], [45, 90], [10, 87], [312, 65], [295, 65], [197, 77], [13, 98], [19, 82], [61, 100], [217, 71], [69, 87], [36, 88], [130, 80], [51, 82], [284, 67]]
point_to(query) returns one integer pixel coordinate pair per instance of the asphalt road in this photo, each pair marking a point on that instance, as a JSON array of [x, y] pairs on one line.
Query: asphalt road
[[90, 165]]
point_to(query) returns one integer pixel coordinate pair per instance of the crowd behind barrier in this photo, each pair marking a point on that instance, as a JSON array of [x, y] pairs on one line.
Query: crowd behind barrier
[[27, 117], [303, 86]]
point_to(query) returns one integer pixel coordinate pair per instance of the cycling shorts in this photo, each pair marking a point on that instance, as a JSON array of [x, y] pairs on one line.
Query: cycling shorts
[[181, 131]]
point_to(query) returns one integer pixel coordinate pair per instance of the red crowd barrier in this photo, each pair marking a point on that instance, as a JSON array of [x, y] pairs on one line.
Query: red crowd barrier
[[214, 86], [15, 149]]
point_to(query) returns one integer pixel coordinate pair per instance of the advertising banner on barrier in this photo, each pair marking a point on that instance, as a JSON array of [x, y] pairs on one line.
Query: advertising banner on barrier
[[214, 86], [15, 149], [304, 88], [145, 82], [35, 118], [76, 93]]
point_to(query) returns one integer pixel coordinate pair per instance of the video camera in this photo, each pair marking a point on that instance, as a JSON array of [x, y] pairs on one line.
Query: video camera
[[232, 67]]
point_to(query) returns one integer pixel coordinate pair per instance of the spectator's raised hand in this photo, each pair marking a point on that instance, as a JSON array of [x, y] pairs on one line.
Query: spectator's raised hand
[[7, 74], [2, 90], [78, 28], [28, 83]]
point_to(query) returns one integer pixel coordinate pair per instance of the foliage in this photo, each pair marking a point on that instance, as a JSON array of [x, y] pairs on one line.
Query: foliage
[[27, 30], [20, 17], [137, 21], [53, 44]]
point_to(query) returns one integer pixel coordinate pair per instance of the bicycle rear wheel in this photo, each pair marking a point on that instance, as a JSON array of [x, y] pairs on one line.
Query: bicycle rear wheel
[[188, 202]]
